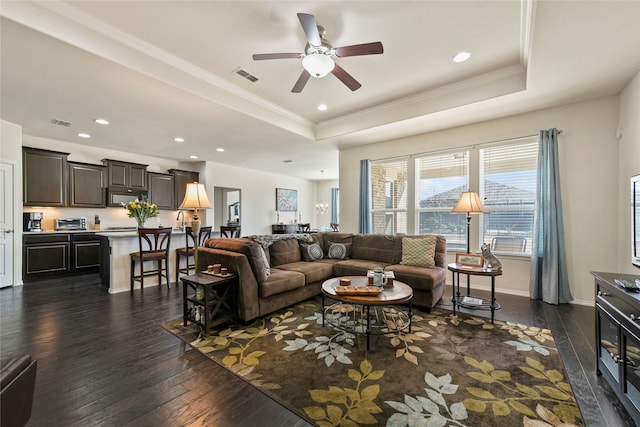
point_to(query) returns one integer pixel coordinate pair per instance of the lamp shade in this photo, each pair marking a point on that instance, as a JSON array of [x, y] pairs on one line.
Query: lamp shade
[[318, 64], [469, 203], [195, 197]]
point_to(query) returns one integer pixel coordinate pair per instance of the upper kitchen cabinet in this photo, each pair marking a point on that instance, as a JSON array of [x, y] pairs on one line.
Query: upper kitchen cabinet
[[87, 185], [44, 175], [125, 175], [180, 180], [161, 190]]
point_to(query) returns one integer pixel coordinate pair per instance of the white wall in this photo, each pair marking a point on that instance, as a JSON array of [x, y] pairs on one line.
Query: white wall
[[258, 195], [323, 194], [588, 162], [11, 153], [628, 166]]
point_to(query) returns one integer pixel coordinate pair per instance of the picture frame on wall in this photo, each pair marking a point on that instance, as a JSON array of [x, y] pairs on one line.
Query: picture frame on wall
[[286, 200], [472, 260]]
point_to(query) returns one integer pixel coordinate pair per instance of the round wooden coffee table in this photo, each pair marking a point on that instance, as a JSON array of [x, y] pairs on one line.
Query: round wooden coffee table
[[367, 314]]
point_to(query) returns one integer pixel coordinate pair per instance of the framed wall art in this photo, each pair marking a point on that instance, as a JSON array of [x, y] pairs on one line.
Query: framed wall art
[[286, 200], [473, 260]]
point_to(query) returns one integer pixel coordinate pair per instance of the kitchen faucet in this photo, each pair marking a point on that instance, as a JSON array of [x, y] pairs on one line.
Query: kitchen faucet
[[184, 223]]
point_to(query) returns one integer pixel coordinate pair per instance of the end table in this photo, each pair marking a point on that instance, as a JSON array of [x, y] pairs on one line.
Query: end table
[[458, 300], [214, 297]]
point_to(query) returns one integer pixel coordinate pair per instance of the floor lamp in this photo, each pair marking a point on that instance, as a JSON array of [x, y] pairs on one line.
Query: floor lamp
[[195, 198], [469, 203]]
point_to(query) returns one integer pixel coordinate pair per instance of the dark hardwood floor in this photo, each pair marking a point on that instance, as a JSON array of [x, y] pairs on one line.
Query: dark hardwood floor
[[103, 359]]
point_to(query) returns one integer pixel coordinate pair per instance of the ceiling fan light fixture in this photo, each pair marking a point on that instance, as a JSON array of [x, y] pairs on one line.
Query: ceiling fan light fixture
[[318, 64]]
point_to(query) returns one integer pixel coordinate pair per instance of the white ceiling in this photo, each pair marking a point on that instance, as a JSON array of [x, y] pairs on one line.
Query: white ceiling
[[161, 69]]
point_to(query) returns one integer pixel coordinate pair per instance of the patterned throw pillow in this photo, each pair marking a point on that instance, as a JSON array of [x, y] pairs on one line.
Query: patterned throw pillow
[[311, 252], [419, 252], [339, 250], [265, 261]]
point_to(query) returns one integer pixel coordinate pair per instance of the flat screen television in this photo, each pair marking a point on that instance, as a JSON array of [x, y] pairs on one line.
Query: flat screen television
[[635, 220]]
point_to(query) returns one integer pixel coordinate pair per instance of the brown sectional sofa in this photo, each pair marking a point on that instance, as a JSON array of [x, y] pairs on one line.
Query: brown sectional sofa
[[273, 274]]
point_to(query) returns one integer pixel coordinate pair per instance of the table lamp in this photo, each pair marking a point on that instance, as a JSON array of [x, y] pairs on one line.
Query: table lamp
[[195, 198], [469, 203]]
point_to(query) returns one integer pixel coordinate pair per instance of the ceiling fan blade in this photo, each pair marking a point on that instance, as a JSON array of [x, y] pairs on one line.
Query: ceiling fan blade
[[302, 81], [310, 28], [261, 56], [345, 78], [373, 48]]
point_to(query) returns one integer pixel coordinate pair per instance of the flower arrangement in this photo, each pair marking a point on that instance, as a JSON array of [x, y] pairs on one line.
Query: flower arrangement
[[141, 211]]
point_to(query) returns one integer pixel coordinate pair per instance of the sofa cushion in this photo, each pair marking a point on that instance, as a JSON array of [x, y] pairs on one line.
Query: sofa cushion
[[330, 238], [311, 252], [355, 267], [313, 271], [419, 252], [339, 251], [280, 281], [284, 252], [377, 247], [419, 277], [253, 251]]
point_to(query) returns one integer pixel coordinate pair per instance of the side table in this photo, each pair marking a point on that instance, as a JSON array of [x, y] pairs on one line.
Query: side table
[[209, 300], [484, 303]]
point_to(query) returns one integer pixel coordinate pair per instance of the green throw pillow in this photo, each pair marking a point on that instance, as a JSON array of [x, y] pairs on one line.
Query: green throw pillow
[[419, 252]]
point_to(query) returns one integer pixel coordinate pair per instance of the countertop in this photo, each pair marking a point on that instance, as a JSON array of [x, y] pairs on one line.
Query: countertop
[[117, 232]]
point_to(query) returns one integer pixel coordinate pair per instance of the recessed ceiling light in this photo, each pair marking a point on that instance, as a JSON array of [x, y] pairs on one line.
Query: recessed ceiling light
[[102, 121], [178, 139], [220, 149], [461, 57], [193, 157], [84, 135], [322, 107]]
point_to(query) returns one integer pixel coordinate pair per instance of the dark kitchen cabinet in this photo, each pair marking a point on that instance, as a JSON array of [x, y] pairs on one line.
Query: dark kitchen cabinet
[[85, 252], [55, 254], [87, 185], [125, 175], [161, 191], [44, 175], [45, 254], [180, 180]]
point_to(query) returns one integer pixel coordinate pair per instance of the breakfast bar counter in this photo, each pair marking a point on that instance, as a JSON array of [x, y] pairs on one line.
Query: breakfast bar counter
[[115, 262]]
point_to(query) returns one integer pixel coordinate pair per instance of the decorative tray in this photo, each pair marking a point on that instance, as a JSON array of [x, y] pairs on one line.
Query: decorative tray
[[211, 273], [357, 290]]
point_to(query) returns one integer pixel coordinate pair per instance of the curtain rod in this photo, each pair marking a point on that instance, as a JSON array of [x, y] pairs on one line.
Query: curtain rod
[[450, 150]]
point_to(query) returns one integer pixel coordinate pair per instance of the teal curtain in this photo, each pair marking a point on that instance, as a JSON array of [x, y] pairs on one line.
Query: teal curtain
[[549, 278], [365, 221], [335, 214]]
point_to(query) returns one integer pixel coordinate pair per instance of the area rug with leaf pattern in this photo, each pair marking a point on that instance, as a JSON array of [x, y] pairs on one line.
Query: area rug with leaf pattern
[[448, 371]]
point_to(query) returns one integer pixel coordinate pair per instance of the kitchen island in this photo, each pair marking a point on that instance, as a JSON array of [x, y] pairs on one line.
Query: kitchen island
[[115, 262]]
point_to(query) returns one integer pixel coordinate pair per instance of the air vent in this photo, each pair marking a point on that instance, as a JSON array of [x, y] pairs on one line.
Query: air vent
[[60, 122], [242, 73]]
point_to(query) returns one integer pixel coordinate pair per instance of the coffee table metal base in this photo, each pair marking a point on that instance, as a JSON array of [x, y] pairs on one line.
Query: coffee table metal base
[[367, 319]]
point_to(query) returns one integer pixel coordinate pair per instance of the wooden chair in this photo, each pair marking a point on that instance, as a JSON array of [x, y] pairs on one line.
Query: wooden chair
[[153, 246], [509, 244], [304, 228], [230, 231], [187, 251], [334, 226]]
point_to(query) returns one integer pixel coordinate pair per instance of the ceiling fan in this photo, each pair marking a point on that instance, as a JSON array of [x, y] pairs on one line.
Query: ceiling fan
[[318, 57]]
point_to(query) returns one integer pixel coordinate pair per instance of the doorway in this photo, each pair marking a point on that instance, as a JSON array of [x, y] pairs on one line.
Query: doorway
[[7, 230], [227, 206]]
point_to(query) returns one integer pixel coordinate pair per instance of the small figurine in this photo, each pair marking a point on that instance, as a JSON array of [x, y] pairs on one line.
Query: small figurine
[[490, 260]]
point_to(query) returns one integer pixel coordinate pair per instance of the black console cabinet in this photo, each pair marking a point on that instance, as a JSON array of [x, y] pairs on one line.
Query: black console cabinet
[[618, 338]]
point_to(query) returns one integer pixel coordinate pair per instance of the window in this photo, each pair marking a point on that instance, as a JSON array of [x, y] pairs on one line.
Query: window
[[508, 187], [440, 180], [503, 174], [389, 196]]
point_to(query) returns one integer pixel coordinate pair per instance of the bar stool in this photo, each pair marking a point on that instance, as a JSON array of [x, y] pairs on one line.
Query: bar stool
[[153, 245], [230, 231], [187, 251]]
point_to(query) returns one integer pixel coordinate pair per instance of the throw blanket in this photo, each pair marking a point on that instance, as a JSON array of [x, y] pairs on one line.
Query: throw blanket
[[267, 240]]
